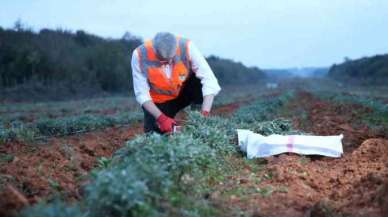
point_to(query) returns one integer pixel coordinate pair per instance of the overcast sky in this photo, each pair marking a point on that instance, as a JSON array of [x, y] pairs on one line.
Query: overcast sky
[[263, 33]]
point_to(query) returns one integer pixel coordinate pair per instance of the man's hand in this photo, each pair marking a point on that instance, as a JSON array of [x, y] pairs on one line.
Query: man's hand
[[165, 123], [207, 105], [205, 113]]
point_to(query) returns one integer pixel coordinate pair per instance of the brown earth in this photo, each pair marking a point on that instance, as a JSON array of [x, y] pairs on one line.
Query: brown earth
[[355, 185], [292, 185], [59, 165], [227, 110]]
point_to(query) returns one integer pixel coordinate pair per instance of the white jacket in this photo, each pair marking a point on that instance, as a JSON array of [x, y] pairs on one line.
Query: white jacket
[[199, 65]]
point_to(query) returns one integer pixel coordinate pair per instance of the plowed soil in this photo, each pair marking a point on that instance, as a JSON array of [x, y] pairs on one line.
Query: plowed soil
[[292, 185], [59, 165], [355, 185]]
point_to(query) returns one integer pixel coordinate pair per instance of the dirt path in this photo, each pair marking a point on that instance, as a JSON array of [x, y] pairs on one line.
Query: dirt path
[[295, 186]]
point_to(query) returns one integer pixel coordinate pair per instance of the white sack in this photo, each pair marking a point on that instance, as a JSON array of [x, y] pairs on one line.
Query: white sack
[[256, 145]]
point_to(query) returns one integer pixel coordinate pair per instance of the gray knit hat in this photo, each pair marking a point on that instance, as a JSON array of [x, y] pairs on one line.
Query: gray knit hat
[[165, 45]]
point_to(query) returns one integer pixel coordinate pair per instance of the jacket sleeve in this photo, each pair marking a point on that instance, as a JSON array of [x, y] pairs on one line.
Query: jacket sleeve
[[140, 84], [203, 71]]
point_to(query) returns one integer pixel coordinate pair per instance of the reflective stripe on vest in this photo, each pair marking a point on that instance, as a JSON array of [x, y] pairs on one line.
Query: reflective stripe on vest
[[166, 89]]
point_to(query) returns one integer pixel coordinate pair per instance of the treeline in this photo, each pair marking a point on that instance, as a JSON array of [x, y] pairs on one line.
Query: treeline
[[368, 70], [58, 64], [229, 72]]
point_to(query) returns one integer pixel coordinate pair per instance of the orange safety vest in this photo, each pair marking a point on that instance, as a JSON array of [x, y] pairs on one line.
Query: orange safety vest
[[162, 88]]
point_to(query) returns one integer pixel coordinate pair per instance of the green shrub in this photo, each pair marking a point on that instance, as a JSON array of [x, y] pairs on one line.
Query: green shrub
[[54, 209], [277, 126], [21, 132], [128, 191]]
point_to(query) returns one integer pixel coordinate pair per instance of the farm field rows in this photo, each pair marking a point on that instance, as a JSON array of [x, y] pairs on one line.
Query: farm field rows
[[77, 138], [199, 172]]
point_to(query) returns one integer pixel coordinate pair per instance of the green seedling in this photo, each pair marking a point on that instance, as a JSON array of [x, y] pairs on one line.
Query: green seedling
[[268, 176], [282, 189], [265, 191], [6, 158], [304, 160], [103, 162], [54, 184]]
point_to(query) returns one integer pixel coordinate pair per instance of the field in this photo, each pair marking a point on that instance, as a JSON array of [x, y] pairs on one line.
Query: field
[[90, 157]]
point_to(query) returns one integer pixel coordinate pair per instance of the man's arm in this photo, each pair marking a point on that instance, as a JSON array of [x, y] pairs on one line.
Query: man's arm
[[202, 70], [142, 88], [151, 108]]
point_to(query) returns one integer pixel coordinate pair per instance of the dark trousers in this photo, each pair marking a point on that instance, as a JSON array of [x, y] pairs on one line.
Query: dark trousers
[[191, 93]]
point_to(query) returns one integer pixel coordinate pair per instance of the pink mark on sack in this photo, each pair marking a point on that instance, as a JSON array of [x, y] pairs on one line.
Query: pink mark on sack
[[290, 144]]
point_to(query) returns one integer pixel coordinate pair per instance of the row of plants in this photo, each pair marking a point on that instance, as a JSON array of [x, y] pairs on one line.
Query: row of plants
[[154, 175], [379, 114], [349, 98], [64, 126], [35, 120], [31, 112]]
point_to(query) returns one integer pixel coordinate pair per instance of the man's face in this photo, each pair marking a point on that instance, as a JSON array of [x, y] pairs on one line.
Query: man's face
[[165, 61], [166, 54], [165, 45]]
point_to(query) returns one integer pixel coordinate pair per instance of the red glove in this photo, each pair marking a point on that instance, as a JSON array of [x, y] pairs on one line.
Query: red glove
[[165, 123], [205, 113]]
